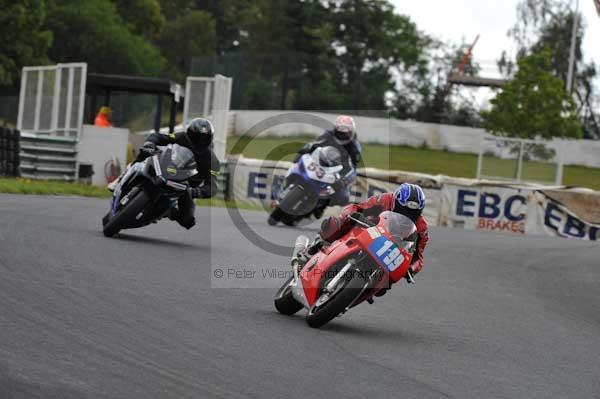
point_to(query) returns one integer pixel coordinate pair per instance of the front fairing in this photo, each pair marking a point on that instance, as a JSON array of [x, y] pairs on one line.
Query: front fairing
[[125, 183], [320, 179], [322, 265], [177, 163], [391, 243]]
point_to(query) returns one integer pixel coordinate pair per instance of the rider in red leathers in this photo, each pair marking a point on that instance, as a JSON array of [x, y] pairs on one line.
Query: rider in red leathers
[[408, 200]]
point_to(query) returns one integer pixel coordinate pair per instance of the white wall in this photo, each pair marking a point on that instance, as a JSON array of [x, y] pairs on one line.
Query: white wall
[[410, 133], [100, 144]]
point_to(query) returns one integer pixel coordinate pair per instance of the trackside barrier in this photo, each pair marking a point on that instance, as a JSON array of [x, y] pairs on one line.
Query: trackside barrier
[[9, 152], [48, 157], [50, 120], [453, 202]]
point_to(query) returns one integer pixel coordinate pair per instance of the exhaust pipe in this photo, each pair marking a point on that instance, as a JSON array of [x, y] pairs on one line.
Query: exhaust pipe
[[301, 244]]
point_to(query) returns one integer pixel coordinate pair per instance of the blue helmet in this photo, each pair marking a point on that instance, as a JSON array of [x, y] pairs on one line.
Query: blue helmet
[[409, 200]]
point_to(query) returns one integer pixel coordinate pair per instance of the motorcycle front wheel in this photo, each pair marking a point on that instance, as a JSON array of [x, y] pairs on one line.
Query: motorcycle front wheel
[[124, 215], [322, 313], [293, 207]]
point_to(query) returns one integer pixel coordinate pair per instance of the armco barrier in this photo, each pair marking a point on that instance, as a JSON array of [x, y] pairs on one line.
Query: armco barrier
[[9, 152], [48, 157], [453, 202]]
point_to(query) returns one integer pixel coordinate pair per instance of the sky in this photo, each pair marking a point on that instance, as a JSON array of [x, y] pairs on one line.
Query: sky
[[460, 21], [491, 19]]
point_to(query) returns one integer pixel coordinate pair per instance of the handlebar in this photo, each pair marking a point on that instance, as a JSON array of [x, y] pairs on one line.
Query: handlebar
[[360, 219]]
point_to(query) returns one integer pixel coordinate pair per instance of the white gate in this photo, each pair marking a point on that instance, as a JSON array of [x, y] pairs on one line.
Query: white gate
[[209, 98], [50, 119]]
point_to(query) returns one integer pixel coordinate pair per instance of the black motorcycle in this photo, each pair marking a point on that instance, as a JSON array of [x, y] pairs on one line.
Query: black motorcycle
[[150, 189]]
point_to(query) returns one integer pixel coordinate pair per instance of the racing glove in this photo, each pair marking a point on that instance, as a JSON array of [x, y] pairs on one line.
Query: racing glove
[[146, 151], [202, 191], [330, 228], [199, 192]]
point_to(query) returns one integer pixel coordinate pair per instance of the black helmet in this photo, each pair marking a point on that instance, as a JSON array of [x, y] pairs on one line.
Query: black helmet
[[200, 132], [409, 200], [329, 156]]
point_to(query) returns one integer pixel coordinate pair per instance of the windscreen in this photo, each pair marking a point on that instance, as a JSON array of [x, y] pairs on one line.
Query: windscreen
[[326, 160], [181, 157], [401, 227], [178, 163]]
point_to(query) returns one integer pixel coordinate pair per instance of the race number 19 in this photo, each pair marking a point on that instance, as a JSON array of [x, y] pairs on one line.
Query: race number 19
[[390, 255]]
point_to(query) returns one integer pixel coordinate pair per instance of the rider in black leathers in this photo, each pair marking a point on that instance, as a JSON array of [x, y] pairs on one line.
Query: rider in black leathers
[[342, 137], [197, 137]]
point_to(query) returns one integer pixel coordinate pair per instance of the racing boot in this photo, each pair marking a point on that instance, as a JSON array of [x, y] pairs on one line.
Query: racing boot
[[318, 212], [299, 257], [315, 246], [113, 184]]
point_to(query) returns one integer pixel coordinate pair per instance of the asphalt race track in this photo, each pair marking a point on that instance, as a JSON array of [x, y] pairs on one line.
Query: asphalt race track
[[83, 316]]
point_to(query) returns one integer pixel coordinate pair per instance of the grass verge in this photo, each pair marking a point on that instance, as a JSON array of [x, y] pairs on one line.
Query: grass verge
[[420, 160], [220, 203], [45, 187]]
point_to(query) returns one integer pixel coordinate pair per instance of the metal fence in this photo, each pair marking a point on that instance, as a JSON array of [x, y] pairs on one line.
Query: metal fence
[[9, 152], [50, 119], [210, 98], [520, 160]]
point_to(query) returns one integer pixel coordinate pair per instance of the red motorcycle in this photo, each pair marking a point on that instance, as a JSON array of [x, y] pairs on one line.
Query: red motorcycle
[[351, 270]]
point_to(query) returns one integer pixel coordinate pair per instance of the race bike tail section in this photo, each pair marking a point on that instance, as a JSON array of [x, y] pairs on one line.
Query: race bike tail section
[[310, 184], [149, 189], [350, 270]]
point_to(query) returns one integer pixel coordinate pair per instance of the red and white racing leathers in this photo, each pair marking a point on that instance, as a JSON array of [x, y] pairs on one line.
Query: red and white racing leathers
[[334, 228]]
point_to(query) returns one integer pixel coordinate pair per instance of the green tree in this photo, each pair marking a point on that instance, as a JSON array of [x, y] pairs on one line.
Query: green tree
[[143, 17], [431, 98], [374, 41], [534, 104], [548, 24], [24, 41], [191, 34], [172, 9], [93, 31], [230, 16]]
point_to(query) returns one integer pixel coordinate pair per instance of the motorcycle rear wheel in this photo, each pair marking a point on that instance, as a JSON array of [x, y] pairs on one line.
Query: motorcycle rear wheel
[[285, 303], [125, 214]]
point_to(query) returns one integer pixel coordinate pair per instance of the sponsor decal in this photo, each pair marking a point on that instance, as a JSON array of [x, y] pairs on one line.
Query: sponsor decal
[[492, 211], [387, 253], [559, 220]]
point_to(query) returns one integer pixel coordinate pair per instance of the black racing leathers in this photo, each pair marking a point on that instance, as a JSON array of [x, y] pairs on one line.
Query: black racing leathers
[[204, 184], [350, 152]]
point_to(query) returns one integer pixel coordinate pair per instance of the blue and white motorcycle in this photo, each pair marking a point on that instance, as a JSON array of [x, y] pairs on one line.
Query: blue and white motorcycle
[[310, 184]]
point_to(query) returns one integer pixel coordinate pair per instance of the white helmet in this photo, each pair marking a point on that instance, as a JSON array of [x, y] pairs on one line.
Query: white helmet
[[344, 129]]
